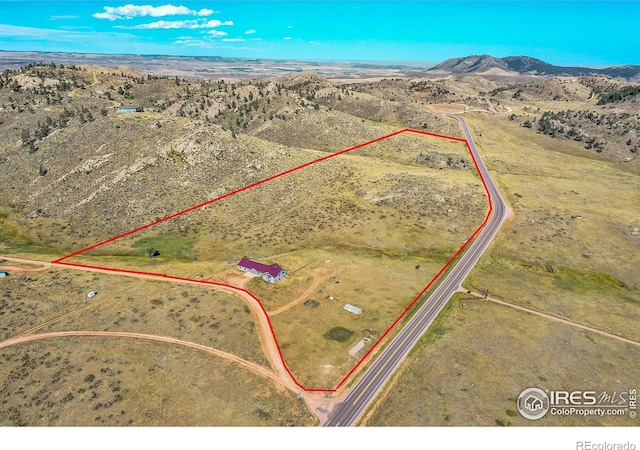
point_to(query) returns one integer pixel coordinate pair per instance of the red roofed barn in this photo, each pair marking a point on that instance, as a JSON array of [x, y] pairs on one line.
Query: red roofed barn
[[271, 274]]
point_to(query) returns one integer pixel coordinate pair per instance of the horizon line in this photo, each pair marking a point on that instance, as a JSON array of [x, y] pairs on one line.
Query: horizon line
[[359, 61]]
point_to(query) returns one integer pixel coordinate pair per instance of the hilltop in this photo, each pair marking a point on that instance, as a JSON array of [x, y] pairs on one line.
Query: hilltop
[[526, 65], [71, 163]]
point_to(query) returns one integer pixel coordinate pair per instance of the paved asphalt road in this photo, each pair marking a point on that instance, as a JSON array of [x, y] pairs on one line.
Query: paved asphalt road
[[369, 385]]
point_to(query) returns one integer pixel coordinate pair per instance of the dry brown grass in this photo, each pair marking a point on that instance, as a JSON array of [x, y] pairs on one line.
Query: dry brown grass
[[474, 362], [320, 361], [121, 382], [200, 315], [136, 382], [584, 269], [386, 223]]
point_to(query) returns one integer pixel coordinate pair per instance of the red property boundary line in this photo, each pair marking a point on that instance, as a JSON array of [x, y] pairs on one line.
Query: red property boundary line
[[60, 261]]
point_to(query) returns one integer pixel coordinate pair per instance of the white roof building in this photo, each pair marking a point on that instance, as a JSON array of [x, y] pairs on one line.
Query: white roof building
[[352, 309]]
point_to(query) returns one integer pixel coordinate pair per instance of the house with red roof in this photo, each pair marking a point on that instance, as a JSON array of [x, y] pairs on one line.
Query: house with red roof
[[269, 273]]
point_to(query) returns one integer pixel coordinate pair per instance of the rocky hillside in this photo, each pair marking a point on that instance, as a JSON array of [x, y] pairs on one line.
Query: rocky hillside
[[76, 170]]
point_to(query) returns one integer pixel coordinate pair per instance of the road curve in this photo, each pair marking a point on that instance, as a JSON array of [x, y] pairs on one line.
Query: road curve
[[266, 336], [380, 370], [254, 367]]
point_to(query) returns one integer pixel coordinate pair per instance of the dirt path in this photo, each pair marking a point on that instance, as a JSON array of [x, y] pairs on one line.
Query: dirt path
[[232, 277], [43, 264], [556, 319], [89, 305], [449, 108], [280, 373], [254, 367], [266, 337], [15, 269], [318, 277]]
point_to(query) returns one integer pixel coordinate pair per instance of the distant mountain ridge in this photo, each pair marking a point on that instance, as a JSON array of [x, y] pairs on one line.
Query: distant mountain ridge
[[217, 67], [477, 64]]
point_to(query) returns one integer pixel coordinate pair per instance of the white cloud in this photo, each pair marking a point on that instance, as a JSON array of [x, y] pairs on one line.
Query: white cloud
[[233, 40], [287, 38], [290, 26], [64, 17], [72, 27], [216, 33], [252, 31], [33, 33], [178, 24], [129, 11], [96, 41], [190, 42]]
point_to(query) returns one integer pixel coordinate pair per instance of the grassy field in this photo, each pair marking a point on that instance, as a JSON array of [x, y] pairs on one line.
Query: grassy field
[[190, 313], [354, 201], [572, 247], [95, 381], [571, 250], [386, 217], [14, 238], [390, 203], [120, 382], [475, 360], [368, 228], [321, 359]]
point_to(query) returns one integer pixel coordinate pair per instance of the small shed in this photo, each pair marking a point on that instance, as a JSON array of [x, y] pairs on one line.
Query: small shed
[[352, 309], [3, 274]]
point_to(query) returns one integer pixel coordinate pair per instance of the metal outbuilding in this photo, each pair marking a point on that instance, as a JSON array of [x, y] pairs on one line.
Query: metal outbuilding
[[352, 309]]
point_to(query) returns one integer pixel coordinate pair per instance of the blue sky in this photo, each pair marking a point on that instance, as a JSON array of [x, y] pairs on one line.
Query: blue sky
[[564, 33]]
